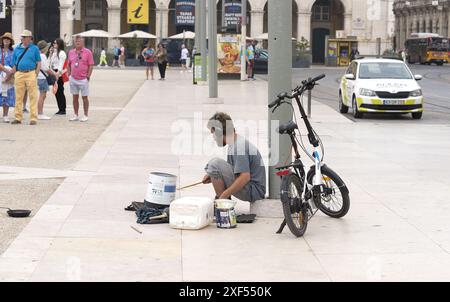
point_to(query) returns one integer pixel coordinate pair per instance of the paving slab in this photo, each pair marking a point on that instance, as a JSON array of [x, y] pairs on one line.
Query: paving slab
[[396, 229]]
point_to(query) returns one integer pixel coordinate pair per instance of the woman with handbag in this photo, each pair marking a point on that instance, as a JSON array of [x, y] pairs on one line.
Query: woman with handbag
[[7, 94], [161, 56], [45, 79], [58, 60]]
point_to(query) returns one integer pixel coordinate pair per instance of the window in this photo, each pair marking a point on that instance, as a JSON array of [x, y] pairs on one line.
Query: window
[[384, 71], [94, 8], [321, 12]]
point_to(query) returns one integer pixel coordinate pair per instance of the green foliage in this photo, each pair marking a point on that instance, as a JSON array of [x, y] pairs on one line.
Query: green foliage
[[134, 45]]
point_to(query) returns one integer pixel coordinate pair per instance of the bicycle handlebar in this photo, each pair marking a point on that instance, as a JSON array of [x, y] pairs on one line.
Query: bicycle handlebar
[[305, 84]]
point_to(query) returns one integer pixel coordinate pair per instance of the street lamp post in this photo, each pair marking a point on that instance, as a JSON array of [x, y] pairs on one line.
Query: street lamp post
[[243, 39], [212, 48], [280, 80]]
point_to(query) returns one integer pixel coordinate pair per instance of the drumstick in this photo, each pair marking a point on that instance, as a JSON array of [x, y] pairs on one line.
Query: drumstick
[[193, 185]]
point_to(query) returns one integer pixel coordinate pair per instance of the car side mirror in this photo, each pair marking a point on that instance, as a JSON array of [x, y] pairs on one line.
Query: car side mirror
[[418, 77], [350, 76]]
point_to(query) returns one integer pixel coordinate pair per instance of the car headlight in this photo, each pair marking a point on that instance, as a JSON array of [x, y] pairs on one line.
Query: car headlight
[[367, 92], [415, 93]]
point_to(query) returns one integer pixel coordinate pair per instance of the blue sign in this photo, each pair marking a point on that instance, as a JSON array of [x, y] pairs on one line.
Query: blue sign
[[185, 12]]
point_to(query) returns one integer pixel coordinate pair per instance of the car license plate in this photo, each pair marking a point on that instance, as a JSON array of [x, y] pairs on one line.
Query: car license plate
[[394, 102]]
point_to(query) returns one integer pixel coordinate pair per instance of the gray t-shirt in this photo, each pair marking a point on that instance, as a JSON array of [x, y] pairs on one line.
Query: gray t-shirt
[[245, 157]]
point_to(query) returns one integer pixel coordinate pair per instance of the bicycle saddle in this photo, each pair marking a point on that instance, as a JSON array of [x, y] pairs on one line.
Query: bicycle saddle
[[287, 128]]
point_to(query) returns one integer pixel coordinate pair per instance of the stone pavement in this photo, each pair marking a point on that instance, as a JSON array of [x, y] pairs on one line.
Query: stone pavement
[[397, 227]]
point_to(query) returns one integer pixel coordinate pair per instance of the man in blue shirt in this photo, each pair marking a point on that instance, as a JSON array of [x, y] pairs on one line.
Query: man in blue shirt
[[26, 63]]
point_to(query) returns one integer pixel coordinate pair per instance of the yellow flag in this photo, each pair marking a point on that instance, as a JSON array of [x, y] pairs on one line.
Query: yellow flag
[[138, 12]]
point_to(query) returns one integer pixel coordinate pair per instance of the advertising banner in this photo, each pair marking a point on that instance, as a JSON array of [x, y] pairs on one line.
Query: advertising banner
[[185, 12], [232, 13], [2, 9], [138, 12], [229, 53]]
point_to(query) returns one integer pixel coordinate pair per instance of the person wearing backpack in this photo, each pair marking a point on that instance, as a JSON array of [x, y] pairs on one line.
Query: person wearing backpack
[[27, 65], [116, 56]]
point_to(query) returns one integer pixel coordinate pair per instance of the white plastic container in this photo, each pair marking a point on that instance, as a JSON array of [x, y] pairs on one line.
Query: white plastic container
[[162, 188], [191, 213]]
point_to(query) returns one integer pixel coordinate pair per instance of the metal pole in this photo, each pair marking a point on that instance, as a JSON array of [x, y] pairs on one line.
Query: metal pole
[[212, 48], [203, 38], [280, 80], [243, 39], [197, 25]]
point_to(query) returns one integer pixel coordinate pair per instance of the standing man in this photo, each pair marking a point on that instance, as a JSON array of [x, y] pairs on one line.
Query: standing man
[[184, 57], [250, 61], [27, 64], [79, 70]]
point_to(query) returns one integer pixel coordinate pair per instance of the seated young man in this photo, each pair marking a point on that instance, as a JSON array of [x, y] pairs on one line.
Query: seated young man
[[243, 175]]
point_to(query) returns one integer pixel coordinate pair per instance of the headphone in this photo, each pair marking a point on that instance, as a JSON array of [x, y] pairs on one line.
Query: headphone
[[218, 126]]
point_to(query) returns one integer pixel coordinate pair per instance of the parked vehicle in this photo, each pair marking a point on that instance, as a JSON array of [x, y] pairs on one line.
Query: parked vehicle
[[380, 85]]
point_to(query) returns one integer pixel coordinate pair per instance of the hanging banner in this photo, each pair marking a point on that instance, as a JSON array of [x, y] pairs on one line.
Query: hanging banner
[[185, 12], [232, 14], [138, 12], [2, 9]]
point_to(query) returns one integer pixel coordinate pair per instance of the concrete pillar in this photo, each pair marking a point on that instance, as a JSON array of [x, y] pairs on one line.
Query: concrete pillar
[[66, 23], [162, 26], [18, 21], [441, 19], [408, 19], [257, 25], [348, 23], [414, 24], [114, 24], [402, 32], [304, 25], [448, 24]]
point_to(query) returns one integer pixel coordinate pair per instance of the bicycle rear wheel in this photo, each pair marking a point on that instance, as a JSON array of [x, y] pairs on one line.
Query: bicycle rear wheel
[[294, 211]]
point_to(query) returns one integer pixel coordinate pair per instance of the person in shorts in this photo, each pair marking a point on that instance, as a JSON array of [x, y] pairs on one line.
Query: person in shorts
[[79, 70], [42, 79], [149, 56], [243, 174], [184, 57]]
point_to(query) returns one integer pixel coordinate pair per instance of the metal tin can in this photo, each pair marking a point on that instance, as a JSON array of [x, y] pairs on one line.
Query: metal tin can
[[226, 218]]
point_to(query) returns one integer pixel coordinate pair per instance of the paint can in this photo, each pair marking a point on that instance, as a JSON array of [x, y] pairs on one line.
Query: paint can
[[162, 188], [225, 214]]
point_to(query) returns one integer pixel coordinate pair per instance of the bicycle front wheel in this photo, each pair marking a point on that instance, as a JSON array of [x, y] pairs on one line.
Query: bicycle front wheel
[[293, 209], [337, 203]]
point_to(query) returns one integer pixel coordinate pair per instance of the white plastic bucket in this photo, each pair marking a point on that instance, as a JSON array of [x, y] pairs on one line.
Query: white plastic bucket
[[162, 188]]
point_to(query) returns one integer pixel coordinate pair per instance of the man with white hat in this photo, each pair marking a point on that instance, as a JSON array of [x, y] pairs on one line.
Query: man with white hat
[[27, 64]]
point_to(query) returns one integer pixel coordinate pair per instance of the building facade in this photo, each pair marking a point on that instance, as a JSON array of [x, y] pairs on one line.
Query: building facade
[[425, 16], [368, 20]]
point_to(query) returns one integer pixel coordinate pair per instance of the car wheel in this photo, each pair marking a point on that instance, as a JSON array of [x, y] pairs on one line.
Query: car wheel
[[417, 115], [356, 112], [342, 108]]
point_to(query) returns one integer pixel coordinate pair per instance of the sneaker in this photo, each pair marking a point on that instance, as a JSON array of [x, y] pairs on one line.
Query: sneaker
[[33, 123], [74, 118], [84, 119], [16, 122], [44, 117], [5, 119], [60, 113]]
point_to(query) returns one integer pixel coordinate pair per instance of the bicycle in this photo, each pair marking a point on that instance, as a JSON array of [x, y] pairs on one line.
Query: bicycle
[[303, 193]]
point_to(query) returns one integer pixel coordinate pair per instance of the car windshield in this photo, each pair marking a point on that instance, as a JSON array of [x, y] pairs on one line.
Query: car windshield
[[384, 70]]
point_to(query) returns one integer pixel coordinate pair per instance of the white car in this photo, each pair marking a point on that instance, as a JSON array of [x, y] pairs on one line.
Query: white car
[[380, 85]]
